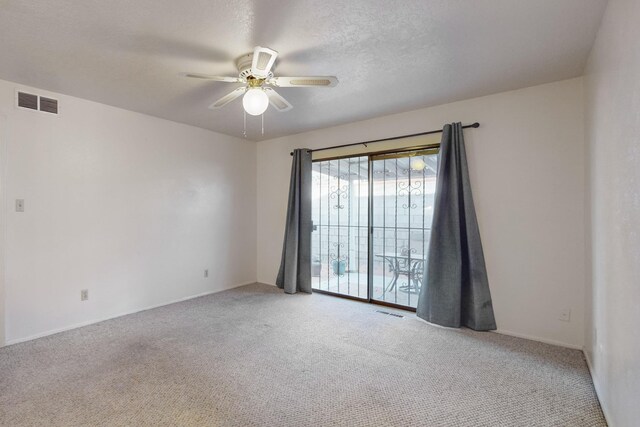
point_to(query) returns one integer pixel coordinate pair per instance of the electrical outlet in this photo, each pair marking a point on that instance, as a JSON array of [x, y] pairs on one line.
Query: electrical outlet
[[84, 294], [19, 205], [206, 273], [565, 315]]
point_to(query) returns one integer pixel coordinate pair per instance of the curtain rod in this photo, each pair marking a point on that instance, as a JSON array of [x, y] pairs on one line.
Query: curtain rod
[[472, 125]]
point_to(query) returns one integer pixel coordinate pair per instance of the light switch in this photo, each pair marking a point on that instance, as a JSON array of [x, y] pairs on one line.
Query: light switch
[[19, 205]]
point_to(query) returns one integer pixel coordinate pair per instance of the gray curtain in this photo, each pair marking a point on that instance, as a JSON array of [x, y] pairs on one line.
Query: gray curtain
[[295, 268], [455, 288]]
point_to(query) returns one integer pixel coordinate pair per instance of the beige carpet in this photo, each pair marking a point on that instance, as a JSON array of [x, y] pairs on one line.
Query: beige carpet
[[253, 356]]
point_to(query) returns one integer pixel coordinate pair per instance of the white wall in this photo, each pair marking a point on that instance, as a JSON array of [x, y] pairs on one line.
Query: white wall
[[3, 137], [131, 207], [613, 136], [527, 168]]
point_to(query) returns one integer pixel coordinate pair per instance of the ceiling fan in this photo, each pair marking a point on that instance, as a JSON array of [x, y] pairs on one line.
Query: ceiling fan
[[254, 70]]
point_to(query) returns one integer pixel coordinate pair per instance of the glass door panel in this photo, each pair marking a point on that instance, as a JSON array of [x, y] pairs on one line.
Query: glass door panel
[[403, 188], [340, 212]]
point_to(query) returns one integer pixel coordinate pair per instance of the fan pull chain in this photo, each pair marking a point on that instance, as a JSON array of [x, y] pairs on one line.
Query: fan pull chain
[[262, 115], [244, 132]]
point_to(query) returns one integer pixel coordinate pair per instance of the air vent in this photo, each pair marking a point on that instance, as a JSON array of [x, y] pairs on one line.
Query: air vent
[[48, 105], [27, 100], [389, 314], [36, 103]]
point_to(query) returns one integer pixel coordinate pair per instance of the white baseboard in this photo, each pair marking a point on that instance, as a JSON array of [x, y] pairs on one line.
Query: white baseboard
[[266, 283], [534, 338], [597, 388], [91, 322]]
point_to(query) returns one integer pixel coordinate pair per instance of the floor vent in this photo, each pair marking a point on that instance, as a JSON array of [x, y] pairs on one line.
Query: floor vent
[[389, 314]]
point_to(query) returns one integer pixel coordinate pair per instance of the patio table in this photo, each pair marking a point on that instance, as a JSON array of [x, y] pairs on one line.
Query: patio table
[[406, 264]]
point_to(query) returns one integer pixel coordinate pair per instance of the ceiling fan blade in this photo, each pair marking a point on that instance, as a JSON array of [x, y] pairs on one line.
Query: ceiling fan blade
[[278, 102], [263, 59], [308, 81], [228, 98], [214, 78]]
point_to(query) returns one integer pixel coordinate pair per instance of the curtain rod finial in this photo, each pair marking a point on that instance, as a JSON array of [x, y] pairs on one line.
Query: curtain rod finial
[[475, 125]]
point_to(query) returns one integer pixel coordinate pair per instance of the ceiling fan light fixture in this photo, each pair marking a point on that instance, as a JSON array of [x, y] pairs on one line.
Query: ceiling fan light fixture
[[256, 75], [255, 101]]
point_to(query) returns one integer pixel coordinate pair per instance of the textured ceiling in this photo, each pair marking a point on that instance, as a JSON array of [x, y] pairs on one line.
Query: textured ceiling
[[390, 56]]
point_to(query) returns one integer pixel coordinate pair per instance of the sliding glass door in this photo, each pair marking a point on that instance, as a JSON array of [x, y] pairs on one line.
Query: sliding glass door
[[340, 211], [372, 223], [402, 202]]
